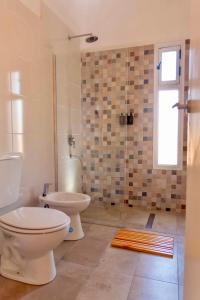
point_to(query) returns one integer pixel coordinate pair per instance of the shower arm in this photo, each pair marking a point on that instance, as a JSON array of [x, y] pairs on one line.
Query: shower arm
[[78, 36]]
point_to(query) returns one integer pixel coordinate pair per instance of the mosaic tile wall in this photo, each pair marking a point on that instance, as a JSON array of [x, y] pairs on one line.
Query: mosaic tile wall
[[118, 160]]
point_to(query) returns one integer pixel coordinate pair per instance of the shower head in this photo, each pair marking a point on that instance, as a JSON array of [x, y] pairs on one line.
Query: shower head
[[91, 38]]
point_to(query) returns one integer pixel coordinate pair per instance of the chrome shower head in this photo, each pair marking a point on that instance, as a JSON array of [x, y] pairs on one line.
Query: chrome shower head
[[91, 39]]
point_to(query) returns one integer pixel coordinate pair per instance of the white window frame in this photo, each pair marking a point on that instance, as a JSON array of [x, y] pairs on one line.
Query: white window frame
[[159, 85], [176, 82]]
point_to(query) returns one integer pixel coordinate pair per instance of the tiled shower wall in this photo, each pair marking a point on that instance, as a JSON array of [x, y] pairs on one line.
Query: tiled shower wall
[[118, 160]]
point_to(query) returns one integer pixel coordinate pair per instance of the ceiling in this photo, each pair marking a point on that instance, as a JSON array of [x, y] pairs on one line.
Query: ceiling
[[121, 23]]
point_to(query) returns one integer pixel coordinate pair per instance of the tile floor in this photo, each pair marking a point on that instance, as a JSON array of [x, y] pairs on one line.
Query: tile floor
[[117, 216], [90, 269]]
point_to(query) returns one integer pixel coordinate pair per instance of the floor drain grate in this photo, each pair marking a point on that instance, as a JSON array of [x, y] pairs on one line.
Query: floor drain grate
[[150, 221]]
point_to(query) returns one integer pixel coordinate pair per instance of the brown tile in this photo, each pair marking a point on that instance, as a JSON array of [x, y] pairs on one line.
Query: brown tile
[[134, 217], [106, 286], [86, 227], [181, 263], [11, 289], [110, 216], [165, 223], [101, 232], [180, 292], [88, 251], [61, 288], [158, 268], [147, 289], [180, 224], [119, 261], [62, 249], [74, 271]]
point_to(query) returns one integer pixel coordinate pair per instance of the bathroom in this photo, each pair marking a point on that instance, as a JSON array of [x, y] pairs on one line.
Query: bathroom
[[85, 148]]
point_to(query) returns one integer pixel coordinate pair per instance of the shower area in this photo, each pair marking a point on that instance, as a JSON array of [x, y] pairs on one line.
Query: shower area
[[67, 115], [66, 65], [104, 133]]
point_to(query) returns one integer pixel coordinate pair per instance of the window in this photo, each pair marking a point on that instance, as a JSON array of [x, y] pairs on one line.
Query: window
[[169, 90], [16, 112]]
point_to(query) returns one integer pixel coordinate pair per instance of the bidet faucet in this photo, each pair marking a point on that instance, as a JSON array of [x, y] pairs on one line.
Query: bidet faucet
[[46, 189]]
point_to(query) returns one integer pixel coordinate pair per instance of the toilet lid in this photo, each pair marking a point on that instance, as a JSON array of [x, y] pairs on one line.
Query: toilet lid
[[34, 218]]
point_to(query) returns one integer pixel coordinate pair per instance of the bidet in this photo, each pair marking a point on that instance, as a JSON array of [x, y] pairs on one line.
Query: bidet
[[72, 204]]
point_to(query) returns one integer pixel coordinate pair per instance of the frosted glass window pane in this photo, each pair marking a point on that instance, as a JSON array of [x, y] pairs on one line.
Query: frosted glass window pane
[[167, 128], [18, 116], [169, 66], [15, 82], [18, 143]]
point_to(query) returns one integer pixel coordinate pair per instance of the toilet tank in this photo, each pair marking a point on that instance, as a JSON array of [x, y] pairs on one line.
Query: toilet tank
[[10, 178]]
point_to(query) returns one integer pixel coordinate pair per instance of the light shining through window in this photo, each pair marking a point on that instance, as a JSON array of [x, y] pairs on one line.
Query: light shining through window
[[169, 66], [18, 116], [16, 82], [168, 90], [167, 128], [16, 112]]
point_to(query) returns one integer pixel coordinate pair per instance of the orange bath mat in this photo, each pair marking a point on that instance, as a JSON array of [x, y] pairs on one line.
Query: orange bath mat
[[146, 242]]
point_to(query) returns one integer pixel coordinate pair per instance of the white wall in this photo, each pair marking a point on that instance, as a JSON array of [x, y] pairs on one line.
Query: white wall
[[125, 23], [33, 5], [26, 46]]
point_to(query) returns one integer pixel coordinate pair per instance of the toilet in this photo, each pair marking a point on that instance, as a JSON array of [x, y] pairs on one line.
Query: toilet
[[29, 233], [72, 204]]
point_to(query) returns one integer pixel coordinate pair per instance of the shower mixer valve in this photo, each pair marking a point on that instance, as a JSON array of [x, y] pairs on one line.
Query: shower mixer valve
[[71, 140]]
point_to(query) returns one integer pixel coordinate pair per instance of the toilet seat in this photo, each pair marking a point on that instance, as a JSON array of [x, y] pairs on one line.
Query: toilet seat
[[31, 231], [34, 220]]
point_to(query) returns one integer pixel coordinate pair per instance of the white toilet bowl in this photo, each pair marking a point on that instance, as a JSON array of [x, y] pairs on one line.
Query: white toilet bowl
[[72, 204], [30, 235]]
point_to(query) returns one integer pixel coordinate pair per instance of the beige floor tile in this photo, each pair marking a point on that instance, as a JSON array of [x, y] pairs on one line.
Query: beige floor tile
[[116, 216], [73, 270], [158, 268], [86, 227], [134, 217], [90, 269], [119, 261], [103, 215], [66, 246], [68, 282], [102, 232], [133, 226], [180, 224], [180, 239], [62, 249], [61, 288], [106, 286], [13, 290], [147, 289], [180, 292], [165, 223], [88, 251], [180, 262]]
